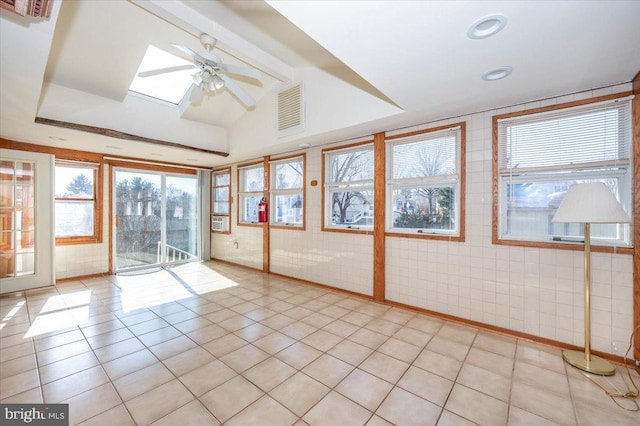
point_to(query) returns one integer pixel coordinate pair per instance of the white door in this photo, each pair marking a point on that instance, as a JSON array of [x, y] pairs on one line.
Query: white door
[[27, 239]]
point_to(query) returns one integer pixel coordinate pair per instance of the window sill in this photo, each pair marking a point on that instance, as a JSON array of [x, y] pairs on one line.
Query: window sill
[[426, 236], [346, 230], [567, 245], [254, 224], [70, 241], [285, 226]]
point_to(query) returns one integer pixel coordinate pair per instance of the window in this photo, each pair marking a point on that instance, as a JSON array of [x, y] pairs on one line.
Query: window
[[348, 188], [541, 155], [251, 187], [425, 182], [220, 200], [77, 206], [287, 192]]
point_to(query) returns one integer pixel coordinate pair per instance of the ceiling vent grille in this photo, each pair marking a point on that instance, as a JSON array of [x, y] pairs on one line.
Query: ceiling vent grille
[[290, 110]]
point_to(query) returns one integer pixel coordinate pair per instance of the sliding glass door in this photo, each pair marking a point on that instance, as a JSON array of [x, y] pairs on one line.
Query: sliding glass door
[[156, 219]]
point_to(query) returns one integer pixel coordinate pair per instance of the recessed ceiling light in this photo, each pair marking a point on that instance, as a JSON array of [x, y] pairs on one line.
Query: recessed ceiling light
[[497, 73], [55, 138], [304, 145], [113, 147], [487, 26]]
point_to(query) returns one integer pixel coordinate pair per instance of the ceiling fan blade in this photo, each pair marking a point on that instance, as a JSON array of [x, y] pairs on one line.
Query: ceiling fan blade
[[195, 94], [159, 71], [190, 53], [244, 71], [238, 92]]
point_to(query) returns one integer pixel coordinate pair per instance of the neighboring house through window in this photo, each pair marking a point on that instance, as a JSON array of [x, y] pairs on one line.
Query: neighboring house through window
[[287, 191], [77, 210], [540, 155], [425, 183], [250, 192], [348, 188], [221, 200]]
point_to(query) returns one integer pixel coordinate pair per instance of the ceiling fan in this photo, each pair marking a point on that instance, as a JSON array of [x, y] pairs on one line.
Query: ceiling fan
[[212, 73]]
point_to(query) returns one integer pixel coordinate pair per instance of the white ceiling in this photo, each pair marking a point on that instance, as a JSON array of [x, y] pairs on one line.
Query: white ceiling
[[366, 66]]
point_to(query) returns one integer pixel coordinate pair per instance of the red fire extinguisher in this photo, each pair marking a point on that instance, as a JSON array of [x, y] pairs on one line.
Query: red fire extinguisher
[[262, 211]]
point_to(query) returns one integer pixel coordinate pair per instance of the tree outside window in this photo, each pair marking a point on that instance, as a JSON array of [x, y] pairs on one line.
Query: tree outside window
[[349, 188], [250, 192], [425, 182], [287, 192], [76, 203]]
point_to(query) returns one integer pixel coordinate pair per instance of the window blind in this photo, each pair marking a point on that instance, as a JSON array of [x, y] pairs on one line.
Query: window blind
[[592, 136], [428, 154]]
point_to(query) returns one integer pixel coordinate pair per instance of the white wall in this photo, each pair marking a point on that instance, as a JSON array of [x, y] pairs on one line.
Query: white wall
[[530, 290]]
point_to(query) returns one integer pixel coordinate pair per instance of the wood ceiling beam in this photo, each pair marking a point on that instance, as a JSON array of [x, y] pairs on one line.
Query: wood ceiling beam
[[125, 136]]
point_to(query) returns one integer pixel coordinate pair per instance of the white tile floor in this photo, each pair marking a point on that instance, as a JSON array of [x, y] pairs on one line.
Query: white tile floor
[[210, 343]]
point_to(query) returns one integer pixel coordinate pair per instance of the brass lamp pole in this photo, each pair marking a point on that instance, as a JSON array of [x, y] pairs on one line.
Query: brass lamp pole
[[589, 203]]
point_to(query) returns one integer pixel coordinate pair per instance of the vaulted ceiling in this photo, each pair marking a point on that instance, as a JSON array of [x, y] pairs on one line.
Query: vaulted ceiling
[[365, 66]]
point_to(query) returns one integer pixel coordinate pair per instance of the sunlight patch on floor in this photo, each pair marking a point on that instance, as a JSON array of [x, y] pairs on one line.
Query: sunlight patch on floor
[[58, 320]]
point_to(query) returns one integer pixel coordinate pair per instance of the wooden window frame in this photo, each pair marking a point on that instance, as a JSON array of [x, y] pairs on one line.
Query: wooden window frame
[[213, 199], [495, 190], [274, 192], [242, 194], [461, 173], [98, 171], [326, 208]]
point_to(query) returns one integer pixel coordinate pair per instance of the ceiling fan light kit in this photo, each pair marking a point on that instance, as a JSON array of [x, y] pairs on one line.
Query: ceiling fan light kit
[[211, 75]]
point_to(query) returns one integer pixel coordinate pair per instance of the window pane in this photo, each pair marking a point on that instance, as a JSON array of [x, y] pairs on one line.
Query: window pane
[[221, 200], [250, 208], [532, 205], [74, 182], [431, 157], [25, 264], [74, 218], [352, 166], [426, 207], [288, 175], [288, 209], [221, 179], [25, 173], [253, 179], [352, 208], [561, 138]]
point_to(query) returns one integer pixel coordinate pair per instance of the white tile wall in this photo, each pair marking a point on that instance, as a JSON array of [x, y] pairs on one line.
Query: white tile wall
[[535, 291], [81, 260], [529, 290]]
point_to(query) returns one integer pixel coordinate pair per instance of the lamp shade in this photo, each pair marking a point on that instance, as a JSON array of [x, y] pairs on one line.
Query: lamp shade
[[590, 202]]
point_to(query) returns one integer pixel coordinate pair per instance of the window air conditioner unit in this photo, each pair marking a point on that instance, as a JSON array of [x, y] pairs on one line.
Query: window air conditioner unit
[[217, 223]]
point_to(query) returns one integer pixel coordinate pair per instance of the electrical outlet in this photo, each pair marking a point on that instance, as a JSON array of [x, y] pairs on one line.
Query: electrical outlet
[[615, 347]]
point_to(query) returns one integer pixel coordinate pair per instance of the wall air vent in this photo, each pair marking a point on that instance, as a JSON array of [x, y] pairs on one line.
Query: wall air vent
[[290, 110], [36, 8]]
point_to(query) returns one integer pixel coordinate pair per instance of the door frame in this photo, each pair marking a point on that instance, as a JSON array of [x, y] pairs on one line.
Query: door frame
[[164, 172], [44, 224]]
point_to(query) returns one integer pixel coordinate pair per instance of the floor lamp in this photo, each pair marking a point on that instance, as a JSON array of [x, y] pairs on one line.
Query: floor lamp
[[589, 203]]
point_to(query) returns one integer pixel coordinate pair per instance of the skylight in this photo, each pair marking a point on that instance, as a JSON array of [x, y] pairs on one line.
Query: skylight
[[169, 87]]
